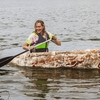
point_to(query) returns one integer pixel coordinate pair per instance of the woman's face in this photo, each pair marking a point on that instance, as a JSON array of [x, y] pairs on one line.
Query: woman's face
[[39, 28]]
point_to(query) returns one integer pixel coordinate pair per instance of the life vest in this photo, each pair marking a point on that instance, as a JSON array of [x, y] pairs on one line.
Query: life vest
[[43, 47], [34, 39]]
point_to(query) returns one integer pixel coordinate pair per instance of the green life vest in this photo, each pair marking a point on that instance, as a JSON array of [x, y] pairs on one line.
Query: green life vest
[[43, 47]]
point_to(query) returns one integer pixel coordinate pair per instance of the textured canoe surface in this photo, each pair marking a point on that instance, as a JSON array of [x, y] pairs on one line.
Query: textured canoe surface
[[69, 59]]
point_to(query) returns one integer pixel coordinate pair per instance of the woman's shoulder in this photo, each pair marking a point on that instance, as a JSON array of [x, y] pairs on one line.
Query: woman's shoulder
[[50, 34], [33, 34]]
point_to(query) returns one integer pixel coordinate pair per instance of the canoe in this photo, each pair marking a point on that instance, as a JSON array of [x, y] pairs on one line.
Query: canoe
[[85, 59]]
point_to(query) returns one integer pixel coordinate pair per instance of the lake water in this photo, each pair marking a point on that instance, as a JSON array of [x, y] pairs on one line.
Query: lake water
[[77, 25]]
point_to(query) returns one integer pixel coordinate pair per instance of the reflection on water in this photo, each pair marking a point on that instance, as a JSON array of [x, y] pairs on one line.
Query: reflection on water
[[60, 72], [62, 83], [38, 83]]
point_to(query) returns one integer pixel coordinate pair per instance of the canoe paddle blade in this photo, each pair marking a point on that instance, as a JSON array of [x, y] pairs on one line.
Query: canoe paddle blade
[[5, 60]]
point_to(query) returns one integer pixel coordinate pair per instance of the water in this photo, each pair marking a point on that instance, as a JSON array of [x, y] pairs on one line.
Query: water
[[77, 25]]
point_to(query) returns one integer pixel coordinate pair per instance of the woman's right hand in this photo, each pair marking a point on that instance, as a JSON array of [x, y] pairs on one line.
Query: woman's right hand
[[31, 48], [28, 47]]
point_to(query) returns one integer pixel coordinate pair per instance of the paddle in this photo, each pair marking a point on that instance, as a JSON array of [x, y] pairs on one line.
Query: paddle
[[6, 60]]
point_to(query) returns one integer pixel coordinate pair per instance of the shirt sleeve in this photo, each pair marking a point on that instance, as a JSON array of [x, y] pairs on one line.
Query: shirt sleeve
[[32, 39]]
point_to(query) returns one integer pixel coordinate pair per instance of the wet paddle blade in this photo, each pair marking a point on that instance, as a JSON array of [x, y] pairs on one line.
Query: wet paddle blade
[[5, 60]]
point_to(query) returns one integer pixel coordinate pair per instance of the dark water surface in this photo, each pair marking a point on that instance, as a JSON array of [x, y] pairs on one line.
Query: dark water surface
[[77, 25]]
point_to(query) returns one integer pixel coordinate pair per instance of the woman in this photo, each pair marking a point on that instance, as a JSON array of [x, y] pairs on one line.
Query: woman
[[39, 35]]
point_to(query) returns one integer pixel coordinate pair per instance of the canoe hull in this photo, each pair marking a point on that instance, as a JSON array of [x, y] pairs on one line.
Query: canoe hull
[[87, 59]]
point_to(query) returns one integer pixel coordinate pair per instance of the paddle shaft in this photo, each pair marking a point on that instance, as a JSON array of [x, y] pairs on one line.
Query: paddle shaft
[[34, 46], [6, 60]]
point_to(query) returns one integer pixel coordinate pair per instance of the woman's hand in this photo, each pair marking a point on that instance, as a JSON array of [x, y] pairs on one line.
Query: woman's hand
[[28, 47]]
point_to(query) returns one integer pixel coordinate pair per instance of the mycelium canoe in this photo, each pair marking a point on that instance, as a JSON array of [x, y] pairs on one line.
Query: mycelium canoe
[[86, 59]]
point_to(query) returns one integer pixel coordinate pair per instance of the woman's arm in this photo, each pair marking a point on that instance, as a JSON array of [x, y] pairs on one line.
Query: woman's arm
[[27, 47], [55, 40]]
